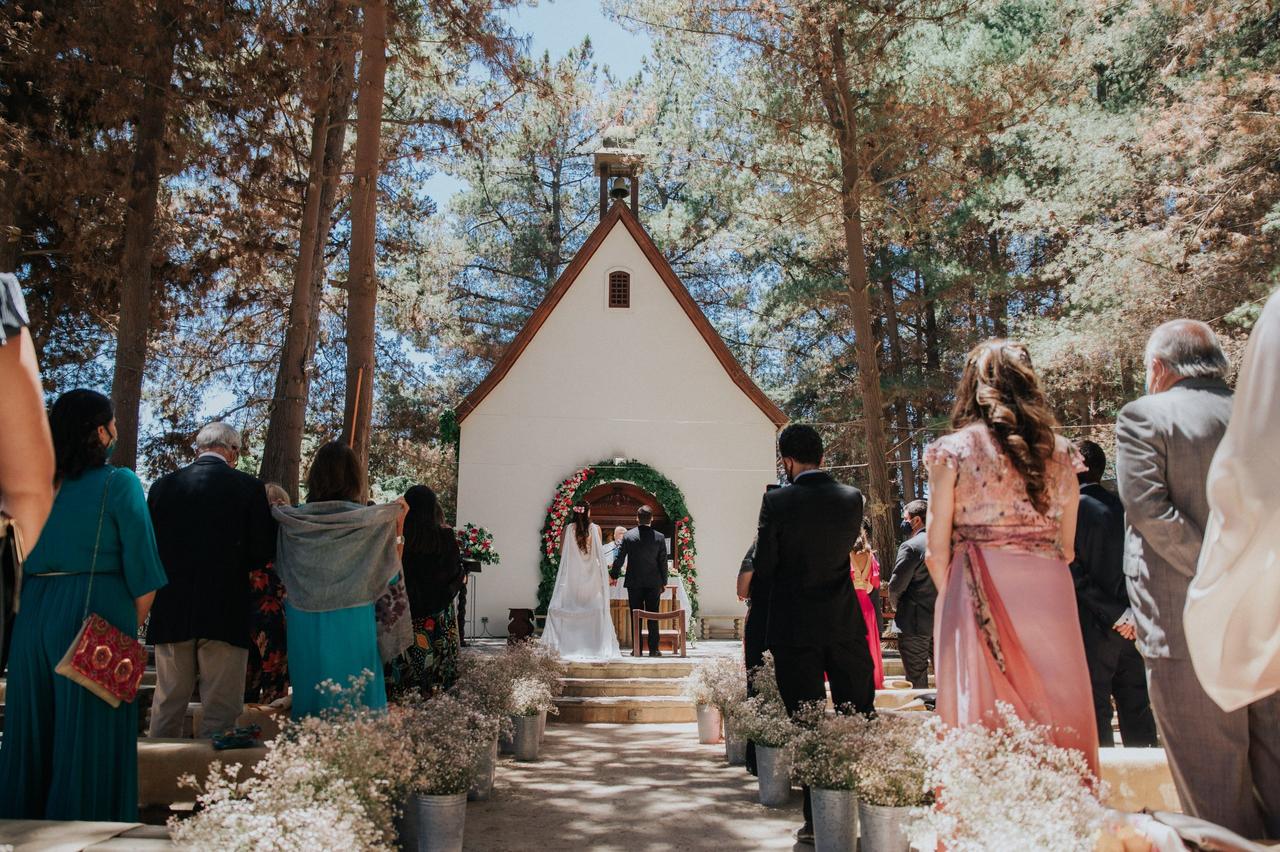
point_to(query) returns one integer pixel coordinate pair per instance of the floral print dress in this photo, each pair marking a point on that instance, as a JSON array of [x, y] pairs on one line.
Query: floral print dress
[[267, 676]]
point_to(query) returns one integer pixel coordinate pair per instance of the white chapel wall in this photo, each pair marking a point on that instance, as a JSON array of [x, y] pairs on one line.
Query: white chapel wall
[[600, 383]]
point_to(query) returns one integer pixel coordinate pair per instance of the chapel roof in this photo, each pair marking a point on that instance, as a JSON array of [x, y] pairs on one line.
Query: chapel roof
[[621, 212]]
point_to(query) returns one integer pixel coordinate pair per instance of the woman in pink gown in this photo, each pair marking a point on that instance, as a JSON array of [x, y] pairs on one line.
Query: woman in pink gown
[[864, 569], [1001, 531]]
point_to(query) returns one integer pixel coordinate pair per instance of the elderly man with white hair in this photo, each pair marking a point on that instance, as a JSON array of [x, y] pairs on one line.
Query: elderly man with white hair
[[213, 526], [1226, 766]]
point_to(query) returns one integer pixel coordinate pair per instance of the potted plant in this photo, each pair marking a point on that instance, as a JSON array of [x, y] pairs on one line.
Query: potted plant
[[543, 664], [764, 721], [531, 701], [712, 686], [1007, 786], [825, 754], [891, 768], [475, 547], [444, 735], [735, 744], [484, 684]]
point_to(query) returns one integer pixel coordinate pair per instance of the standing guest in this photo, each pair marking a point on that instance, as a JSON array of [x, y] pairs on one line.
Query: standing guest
[[611, 549], [213, 527], [336, 557], [805, 535], [755, 593], [1000, 534], [864, 569], [267, 677], [26, 453], [1106, 622], [914, 597], [644, 551], [1232, 621], [1226, 765], [66, 754], [432, 576]]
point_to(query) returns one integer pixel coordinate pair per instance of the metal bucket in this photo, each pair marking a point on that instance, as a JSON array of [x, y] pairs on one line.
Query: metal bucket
[[542, 726], [835, 819], [708, 724], [735, 750], [774, 766], [507, 742], [883, 828], [527, 740], [486, 766], [433, 823]]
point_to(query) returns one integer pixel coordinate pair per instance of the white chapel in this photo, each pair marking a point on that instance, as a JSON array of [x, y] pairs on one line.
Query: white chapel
[[653, 382]]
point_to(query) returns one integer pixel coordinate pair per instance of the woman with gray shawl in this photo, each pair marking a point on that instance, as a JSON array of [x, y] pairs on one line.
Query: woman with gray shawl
[[336, 558]]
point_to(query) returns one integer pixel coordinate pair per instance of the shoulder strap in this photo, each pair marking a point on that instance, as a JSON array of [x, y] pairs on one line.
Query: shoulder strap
[[93, 565]]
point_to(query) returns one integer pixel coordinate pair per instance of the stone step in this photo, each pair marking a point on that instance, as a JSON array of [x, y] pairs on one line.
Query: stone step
[[640, 667], [638, 709], [585, 687]]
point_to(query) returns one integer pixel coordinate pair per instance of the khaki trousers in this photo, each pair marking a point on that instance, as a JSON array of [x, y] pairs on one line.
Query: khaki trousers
[[218, 666]]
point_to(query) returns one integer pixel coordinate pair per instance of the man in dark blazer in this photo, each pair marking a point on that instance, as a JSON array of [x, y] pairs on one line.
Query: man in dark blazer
[[805, 534], [913, 596], [213, 526], [644, 550], [1106, 623]]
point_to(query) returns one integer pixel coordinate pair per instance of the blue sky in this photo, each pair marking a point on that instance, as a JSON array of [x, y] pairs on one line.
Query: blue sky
[[556, 28]]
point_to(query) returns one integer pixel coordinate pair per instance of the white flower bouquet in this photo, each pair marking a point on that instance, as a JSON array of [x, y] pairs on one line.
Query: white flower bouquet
[[890, 763], [763, 721], [484, 684], [533, 659], [1007, 787], [444, 734], [826, 748], [719, 682], [530, 696]]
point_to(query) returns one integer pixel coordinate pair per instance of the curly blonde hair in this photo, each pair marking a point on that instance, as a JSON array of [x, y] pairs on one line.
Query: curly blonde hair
[[999, 387]]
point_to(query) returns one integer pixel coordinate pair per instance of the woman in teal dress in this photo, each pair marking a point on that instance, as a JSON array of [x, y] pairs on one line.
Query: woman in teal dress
[[66, 753], [336, 557]]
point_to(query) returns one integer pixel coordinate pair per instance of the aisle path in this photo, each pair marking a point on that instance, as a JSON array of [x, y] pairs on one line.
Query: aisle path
[[627, 787]]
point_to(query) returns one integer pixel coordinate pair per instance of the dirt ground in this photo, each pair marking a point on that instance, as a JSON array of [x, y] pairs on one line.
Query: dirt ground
[[632, 787]]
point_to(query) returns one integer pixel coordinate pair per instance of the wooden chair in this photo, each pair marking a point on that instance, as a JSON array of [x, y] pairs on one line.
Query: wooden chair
[[677, 635]]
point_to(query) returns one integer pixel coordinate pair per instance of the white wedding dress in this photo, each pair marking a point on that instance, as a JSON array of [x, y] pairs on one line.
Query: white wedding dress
[[578, 622]]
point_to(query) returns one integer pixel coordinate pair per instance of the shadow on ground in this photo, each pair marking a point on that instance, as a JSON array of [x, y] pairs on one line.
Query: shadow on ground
[[641, 787]]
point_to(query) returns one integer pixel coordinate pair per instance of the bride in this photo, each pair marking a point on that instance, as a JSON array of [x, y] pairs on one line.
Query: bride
[[578, 622]]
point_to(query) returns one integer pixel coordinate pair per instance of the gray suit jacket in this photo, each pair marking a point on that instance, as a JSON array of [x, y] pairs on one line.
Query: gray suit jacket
[[1164, 445]]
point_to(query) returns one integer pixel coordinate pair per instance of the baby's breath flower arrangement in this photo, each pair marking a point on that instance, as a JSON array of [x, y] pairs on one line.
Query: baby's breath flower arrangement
[[1007, 787], [890, 763], [445, 735], [719, 682], [826, 748], [763, 721], [484, 684], [533, 659], [530, 696]]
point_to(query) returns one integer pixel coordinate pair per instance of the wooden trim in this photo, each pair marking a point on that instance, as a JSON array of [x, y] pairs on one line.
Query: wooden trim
[[620, 211]]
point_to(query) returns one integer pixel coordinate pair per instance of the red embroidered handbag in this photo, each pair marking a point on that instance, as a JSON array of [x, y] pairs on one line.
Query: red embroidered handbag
[[103, 658]]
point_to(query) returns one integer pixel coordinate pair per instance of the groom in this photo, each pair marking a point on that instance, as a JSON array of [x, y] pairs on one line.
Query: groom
[[644, 550]]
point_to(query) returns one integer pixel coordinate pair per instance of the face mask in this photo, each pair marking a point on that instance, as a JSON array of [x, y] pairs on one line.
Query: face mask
[[905, 529]]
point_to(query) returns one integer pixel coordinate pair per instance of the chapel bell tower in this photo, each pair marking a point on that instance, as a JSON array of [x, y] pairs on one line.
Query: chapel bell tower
[[618, 166]]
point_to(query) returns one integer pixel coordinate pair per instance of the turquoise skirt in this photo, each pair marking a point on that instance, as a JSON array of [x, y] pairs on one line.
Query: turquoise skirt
[[66, 754], [334, 646]]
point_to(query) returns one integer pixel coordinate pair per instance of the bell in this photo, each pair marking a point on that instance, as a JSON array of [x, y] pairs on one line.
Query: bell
[[621, 189]]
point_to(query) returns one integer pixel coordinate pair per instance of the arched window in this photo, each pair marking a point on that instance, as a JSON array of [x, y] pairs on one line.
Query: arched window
[[619, 289]]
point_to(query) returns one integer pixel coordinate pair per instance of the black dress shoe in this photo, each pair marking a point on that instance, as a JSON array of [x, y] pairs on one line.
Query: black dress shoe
[[804, 834], [655, 653]]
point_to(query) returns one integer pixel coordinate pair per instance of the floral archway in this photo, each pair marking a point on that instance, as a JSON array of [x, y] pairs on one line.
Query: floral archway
[[684, 551]]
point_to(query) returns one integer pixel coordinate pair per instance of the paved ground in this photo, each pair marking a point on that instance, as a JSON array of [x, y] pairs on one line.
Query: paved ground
[[632, 787]]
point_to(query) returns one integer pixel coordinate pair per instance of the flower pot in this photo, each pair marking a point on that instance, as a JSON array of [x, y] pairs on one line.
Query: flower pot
[[542, 726], [527, 740], [835, 819], [486, 765], [774, 767], [507, 742], [708, 724], [433, 823], [735, 750], [884, 829]]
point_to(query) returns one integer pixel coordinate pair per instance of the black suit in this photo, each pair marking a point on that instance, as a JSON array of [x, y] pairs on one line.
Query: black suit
[[815, 622], [1115, 666], [754, 634], [644, 550], [914, 596], [213, 526]]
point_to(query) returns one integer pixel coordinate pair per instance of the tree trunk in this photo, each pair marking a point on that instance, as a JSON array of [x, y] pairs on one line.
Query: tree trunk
[[901, 440], [282, 450], [10, 230], [362, 284], [139, 238], [840, 108], [998, 300]]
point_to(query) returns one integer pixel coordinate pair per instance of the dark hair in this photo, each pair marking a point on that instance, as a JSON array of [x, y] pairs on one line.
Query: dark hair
[[423, 523], [334, 474], [863, 544], [1094, 459], [999, 387], [917, 509], [644, 515], [582, 524], [802, 443], [74, 421]]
